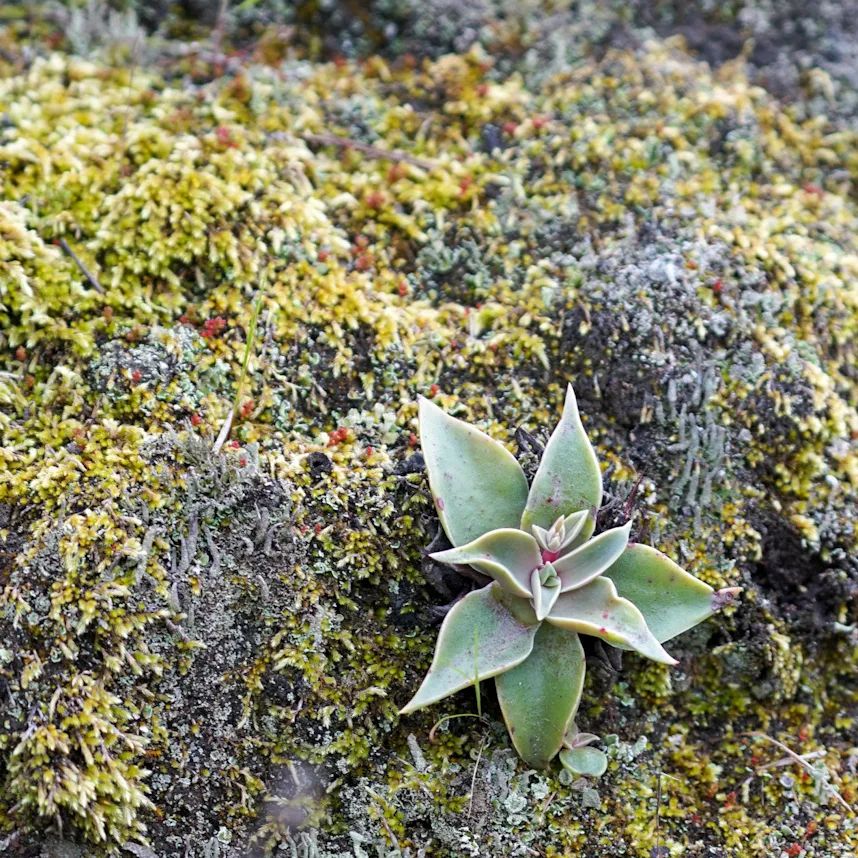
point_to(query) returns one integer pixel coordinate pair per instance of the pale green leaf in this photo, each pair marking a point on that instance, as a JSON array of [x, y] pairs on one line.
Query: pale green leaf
[[590, 762], [575, 739], [545, 589], [508, 555], [671, 600], [561, 536], [596, 609], [479, 638], [539, 697], [568, 478], [476, 482], [586, 530], [582, 565]]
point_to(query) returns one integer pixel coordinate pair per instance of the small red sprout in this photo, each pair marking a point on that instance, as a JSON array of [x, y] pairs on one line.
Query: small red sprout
[[213, 327], [338, 436]]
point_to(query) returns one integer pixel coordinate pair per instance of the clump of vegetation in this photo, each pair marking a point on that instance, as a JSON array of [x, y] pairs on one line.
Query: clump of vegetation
[[549, 582], [676, 241]]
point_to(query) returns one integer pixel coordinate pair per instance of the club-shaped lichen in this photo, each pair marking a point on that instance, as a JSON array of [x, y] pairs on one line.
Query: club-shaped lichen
[[553, 581]]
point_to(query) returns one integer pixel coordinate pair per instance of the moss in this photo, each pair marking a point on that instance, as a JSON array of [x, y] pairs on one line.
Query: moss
[[208, 651]]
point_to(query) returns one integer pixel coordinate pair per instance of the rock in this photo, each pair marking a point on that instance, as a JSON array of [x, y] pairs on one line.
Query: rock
[[205, 654]]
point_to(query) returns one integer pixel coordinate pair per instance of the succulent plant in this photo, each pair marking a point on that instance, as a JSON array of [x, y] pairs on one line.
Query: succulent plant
[[552, 581]]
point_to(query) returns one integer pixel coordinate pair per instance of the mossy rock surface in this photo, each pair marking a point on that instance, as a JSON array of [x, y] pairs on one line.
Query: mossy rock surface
[[203, 653]]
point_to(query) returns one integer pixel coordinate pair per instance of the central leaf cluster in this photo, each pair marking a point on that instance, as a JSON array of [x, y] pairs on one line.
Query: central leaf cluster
[[542, 567]]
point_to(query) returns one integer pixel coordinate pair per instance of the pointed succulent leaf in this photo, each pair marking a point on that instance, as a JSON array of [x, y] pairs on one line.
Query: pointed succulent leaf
[[574, 739], [521, 609], [671, 600], [508, 555], [596, 609], [540, 696], [590, 762], [545, 587], [562, 533], [479, 638], [576, 525], [590, 560], [476, 482], [585, 532], [541, 535], [568, 478]]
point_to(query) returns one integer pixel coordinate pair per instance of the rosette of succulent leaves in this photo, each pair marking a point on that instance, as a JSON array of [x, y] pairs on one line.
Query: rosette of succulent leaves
[[552, 581]]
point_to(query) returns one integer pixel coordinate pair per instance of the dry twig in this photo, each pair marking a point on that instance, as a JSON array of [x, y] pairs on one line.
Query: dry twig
[[802, 761], [367, 149], [93, 280]]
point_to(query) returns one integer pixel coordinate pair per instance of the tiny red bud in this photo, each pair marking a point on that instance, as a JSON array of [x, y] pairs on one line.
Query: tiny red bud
[[20, 353], [434, 391], [224, 136], [196, 420], [337, 436], [136, 376], [213, 327]]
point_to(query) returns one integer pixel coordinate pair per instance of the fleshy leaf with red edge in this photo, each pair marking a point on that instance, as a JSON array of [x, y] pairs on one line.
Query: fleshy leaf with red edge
[[539, 697], [568, 478], [479, 638], [670, 599], [507, 555], [596, 609], [476, 482]]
